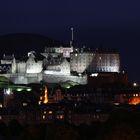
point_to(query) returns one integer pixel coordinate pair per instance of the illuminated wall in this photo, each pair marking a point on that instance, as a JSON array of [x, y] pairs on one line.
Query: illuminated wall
[[21, 67], [32, 66], [56, 67], [105, 62], [62, 69], [79, 62], [64, 50], [14, 67], [95, 62], [7, 59]]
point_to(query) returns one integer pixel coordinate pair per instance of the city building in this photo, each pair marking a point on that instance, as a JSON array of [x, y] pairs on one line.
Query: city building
[[60, 64]]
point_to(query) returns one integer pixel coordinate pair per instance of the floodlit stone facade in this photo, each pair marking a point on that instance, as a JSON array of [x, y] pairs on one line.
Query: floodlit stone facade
[[59, 65]]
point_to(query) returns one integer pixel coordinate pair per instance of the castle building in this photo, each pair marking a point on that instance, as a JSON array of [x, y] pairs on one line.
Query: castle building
[[81, 61], [60, 64], [105, 62], [95, 61]]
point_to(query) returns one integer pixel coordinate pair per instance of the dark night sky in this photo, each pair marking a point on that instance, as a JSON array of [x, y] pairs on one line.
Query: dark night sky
[[113, 23]]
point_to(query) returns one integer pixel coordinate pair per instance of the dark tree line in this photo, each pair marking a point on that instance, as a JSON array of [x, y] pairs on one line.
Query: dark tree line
[[122, 125]]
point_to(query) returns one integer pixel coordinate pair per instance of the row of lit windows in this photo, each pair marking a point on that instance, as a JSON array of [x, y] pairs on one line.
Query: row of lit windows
[[134, 95], [86, 95]]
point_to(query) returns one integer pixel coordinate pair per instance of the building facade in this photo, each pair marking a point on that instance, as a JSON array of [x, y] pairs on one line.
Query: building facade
[[60, 64]]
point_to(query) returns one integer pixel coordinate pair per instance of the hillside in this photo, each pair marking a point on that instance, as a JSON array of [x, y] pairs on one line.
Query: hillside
[[21, 43]]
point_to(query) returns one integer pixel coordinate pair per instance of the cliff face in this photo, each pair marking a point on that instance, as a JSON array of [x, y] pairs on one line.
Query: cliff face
[[21, 43]]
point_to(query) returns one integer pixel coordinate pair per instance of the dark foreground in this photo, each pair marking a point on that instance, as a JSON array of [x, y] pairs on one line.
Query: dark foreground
[[122, 124]]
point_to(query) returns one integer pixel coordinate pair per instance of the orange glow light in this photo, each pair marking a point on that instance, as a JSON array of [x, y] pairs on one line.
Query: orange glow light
[[135, 101], [46, 96]]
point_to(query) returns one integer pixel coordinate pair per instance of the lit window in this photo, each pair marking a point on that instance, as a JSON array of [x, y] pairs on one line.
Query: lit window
[[8, 91], [79, 74], [116, 103], [24, 104], [29, 89], [134, 84], [43, 117], [61, 116], [50, 112], [19, 89], [94, 74], [39, 102]]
